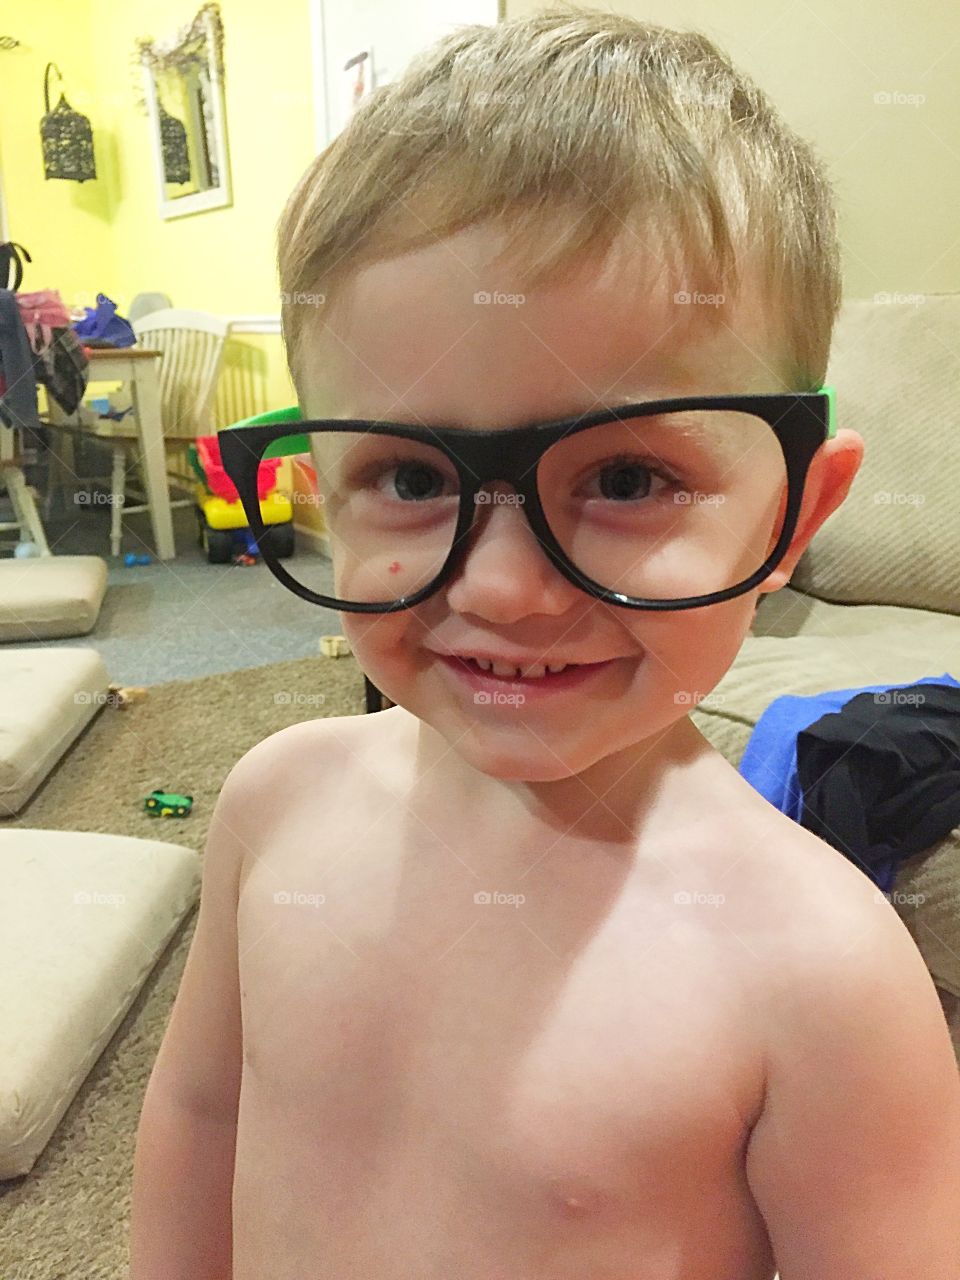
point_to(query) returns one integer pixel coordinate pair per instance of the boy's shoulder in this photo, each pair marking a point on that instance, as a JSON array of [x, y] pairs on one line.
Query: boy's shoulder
[[322, 749], [814, 915]]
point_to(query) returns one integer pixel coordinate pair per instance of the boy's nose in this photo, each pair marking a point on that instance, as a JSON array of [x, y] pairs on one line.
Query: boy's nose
[[505, 573]]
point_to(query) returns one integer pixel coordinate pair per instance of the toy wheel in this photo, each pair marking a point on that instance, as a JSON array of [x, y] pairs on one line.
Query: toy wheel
[[279, 539], [151, 803], [181, 811], [218, 545]]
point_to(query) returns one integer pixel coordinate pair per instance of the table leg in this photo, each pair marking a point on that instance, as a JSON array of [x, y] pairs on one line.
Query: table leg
[[146, 392], [21, 499]]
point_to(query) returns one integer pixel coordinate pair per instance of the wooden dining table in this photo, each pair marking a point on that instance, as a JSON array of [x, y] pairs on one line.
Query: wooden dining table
[[140, 368]]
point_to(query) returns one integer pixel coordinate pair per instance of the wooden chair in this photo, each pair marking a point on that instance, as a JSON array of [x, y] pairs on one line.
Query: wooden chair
[[26, 519], [192, 343]]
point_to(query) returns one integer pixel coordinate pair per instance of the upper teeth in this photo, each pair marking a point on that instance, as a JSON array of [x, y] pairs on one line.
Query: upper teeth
[[503, 669]]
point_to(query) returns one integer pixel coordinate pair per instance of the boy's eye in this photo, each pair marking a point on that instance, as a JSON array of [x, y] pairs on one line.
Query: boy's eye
[[411, 481], [626, 480]]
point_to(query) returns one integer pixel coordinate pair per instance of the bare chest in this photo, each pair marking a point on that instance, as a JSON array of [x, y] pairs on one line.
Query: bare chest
[[543, 1053]]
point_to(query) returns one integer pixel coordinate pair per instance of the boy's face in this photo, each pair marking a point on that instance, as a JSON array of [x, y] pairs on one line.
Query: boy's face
[[406, 341]]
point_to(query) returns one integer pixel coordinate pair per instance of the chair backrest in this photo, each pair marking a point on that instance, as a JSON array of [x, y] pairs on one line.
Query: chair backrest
[[144, 303], [192, 344]]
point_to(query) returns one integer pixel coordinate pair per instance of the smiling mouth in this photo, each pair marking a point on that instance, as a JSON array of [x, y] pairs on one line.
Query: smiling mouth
[[507, 671], [539, 674]]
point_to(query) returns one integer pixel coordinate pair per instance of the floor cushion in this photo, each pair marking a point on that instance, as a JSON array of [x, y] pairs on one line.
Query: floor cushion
[[49, 596], [83, 920], [49, 695]]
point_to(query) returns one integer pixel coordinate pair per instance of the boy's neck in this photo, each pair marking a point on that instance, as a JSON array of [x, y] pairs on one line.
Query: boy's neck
[[617, 800]]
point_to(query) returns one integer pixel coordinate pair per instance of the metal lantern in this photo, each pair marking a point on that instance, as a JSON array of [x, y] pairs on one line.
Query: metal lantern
[[66, 137], [173, 142]]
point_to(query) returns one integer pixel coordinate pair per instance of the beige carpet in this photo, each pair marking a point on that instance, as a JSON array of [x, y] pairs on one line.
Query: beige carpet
[[68, 1219]]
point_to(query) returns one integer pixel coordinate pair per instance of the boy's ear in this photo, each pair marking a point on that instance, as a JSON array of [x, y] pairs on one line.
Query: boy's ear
[[831, 473]]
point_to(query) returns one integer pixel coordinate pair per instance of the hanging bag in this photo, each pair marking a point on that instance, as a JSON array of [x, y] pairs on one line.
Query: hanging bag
[[59, 361], [11, 261]]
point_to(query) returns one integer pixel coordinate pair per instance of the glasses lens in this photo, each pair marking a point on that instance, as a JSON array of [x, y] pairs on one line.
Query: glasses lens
[[660, 508], [656, 508], [375, 515]]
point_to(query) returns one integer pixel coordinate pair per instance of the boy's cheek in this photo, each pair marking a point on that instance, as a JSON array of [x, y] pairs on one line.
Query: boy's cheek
[[694, 648], [381, 642]]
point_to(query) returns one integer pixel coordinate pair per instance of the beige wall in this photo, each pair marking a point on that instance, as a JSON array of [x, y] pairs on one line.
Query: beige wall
[[895, 167]]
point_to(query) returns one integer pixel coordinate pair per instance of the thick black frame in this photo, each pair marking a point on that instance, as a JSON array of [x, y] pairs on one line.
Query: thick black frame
[[801, 421]]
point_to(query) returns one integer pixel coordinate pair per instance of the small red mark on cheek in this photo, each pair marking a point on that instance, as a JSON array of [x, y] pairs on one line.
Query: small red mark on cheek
[[396, 566]]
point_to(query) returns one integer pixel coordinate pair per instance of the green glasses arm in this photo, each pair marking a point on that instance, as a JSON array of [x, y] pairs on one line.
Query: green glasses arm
[[280, 448], [831, 395]]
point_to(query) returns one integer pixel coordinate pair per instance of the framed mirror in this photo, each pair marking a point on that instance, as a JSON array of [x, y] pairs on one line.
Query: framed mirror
[[183, 82]]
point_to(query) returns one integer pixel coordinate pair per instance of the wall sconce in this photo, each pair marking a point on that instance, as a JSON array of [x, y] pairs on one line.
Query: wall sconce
[[67, 138]]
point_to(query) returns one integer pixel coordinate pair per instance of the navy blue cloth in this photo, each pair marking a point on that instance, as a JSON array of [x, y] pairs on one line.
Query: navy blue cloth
[[881, 778], [770, 765], [18, 400]]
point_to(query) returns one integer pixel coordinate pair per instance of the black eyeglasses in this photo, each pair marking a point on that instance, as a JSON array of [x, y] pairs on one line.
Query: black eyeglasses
[[662, 504]]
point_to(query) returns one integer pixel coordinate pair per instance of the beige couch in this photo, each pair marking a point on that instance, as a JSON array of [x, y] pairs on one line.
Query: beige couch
[[876, 597]]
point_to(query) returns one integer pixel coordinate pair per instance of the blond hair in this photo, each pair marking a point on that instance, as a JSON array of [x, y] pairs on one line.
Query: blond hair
[[588, 124]]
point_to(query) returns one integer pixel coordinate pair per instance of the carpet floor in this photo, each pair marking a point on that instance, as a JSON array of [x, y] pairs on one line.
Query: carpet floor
[[68, 1219]]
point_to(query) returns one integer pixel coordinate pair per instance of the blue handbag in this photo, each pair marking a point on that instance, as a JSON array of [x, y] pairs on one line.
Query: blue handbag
[[102, 327]]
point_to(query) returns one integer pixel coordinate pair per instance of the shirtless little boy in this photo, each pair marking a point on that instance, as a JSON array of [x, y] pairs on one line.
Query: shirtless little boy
[[519, 979]]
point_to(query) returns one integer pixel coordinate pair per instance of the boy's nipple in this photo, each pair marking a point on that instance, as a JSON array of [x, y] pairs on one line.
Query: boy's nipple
[[575, 1198]]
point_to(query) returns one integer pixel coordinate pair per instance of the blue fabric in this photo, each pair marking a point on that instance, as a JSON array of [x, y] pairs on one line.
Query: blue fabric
[[769, 761], [103, 323]]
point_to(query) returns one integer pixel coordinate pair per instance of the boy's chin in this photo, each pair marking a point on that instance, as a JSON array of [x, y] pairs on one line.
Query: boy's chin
[[523, 761]]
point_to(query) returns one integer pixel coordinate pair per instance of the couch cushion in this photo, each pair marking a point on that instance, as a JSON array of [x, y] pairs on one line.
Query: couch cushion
[[792, 613], [49, 695], [83, 918], [50, 596], [896, 538], [844, 647]]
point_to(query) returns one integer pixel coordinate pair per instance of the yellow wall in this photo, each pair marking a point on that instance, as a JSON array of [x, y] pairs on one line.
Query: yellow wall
[[106, 235], [896, 167]]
